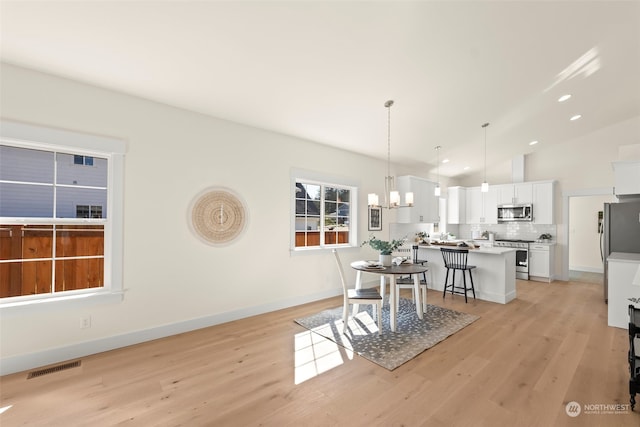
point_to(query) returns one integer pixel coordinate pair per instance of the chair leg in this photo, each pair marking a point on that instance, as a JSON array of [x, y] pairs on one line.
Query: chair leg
[[446, 280], [379, 317], [473, 288], [453, 281], [345, 317], [464, 283]]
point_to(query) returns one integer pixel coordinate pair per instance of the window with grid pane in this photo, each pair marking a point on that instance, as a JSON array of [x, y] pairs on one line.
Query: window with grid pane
[[323, 214], [52, 230]]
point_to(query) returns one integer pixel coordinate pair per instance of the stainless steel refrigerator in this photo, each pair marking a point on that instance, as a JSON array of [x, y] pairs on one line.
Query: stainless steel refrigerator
[[620, 232]]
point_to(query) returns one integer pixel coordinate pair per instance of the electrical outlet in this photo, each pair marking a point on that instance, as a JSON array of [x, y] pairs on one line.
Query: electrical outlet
[[85, 322]]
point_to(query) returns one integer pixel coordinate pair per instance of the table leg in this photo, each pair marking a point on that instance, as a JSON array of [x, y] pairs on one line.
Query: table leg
[[392, 302], [416, 291]]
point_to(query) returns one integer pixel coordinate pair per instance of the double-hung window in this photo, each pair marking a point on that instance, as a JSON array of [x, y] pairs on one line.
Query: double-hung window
[[324, 214], [57, 215]]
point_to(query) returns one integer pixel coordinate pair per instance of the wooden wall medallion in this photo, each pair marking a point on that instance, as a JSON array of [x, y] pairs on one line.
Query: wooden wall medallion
[[218, 216]]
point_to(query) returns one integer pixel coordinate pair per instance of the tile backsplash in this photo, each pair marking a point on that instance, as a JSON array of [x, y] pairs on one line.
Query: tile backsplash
[[511, 230]]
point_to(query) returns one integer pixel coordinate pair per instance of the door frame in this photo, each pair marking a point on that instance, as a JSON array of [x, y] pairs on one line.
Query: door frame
[[565, 220]]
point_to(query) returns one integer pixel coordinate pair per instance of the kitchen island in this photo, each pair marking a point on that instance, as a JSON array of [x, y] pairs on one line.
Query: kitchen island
[[494, 277]]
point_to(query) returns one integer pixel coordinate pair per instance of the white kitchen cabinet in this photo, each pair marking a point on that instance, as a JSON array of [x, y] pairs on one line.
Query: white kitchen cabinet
[[456, 205], [543, 202], [626, 177], [541, 262], [426, 206], [511, 194], [482, 208]]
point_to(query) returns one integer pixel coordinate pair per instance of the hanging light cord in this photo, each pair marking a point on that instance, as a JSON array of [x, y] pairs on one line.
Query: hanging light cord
[[388, 104], [438, 153], [485, 150]]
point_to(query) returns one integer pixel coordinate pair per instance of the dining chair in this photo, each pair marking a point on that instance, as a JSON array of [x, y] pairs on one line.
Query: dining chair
[[358, 296], [456, 259], [406, 282]]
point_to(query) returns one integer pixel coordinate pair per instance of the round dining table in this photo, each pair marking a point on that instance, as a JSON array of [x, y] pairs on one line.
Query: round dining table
[[392, 272]]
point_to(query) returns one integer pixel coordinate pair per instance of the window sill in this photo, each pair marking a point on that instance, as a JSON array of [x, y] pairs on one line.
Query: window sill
[[62, 302]]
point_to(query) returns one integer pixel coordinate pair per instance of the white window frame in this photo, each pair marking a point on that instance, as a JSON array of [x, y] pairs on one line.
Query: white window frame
[[310, 177], [43, 138]]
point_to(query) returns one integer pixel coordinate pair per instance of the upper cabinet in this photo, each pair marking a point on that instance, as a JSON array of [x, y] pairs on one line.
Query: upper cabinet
[[456, 205], [471, 206], [425, 204], [626, 178], [482, 208], [512, 194], [543, 201]]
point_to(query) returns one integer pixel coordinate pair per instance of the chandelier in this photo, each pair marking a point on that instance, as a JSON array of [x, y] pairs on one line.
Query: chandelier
[[391, 195]]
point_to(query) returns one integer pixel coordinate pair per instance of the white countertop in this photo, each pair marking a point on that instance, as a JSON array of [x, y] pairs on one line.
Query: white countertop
[[624, 257], [481, 250]]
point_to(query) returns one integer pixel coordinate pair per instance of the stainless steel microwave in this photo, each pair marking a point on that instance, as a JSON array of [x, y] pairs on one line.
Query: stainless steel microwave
[[509, 213]]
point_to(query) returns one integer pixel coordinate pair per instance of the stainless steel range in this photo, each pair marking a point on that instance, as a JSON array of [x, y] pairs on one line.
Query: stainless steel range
[[522, 255]]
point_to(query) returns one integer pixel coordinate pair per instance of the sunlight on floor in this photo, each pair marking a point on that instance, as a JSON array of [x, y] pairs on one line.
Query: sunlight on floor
[[363, 324], [5, 409], [315, 354]]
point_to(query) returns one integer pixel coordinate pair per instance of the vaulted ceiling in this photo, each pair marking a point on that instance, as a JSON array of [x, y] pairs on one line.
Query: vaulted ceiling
[[322, 71]]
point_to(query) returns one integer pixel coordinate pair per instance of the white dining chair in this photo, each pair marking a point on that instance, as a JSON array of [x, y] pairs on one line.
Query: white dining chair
[[358, 296]]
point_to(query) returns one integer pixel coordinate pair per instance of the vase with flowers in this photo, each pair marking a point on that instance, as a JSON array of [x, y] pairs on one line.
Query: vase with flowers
[[385, 248]]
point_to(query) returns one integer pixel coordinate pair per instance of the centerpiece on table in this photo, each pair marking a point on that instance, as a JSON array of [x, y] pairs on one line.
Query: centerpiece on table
[[384, 247]]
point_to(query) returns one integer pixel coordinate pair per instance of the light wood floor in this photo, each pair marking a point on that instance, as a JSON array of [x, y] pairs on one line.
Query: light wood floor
[[519, 364]]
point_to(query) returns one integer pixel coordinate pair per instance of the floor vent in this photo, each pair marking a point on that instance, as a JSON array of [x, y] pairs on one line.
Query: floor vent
[[53, 369]]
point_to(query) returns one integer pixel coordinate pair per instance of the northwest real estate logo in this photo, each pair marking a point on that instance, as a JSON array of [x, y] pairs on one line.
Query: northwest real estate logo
[[574, 409]]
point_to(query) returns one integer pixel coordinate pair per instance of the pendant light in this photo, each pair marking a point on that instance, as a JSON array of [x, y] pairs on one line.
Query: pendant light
[[392, 196], [485, 185], [437, 190]]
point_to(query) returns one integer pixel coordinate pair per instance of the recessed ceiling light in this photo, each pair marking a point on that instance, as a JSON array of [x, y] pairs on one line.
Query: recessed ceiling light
[[466, 168], [533, 142], [445, 161], [576, 117], [564, 98]]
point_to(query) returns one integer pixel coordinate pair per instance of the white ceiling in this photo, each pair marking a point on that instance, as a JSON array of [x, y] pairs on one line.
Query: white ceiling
[[323, 70]]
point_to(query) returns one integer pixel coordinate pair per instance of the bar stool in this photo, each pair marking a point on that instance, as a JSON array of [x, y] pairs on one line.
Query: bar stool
[[456, 259]]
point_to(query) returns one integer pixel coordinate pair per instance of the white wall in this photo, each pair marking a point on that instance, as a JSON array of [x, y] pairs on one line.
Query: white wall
[[173, 281]]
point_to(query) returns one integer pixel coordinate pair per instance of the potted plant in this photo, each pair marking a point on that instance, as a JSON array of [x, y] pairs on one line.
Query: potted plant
[[422, 236], [384, 247], [545, 237]]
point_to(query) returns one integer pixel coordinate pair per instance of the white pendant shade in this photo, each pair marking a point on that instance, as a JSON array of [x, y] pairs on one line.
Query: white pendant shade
[[437, 191], [485, 187], [409, 198], [394, 198]]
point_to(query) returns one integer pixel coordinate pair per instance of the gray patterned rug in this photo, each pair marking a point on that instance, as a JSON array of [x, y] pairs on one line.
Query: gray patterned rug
[[388, 349]]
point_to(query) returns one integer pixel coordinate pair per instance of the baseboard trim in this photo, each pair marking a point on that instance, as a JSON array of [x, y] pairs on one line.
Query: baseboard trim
[[586, 269], [24, 362]]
